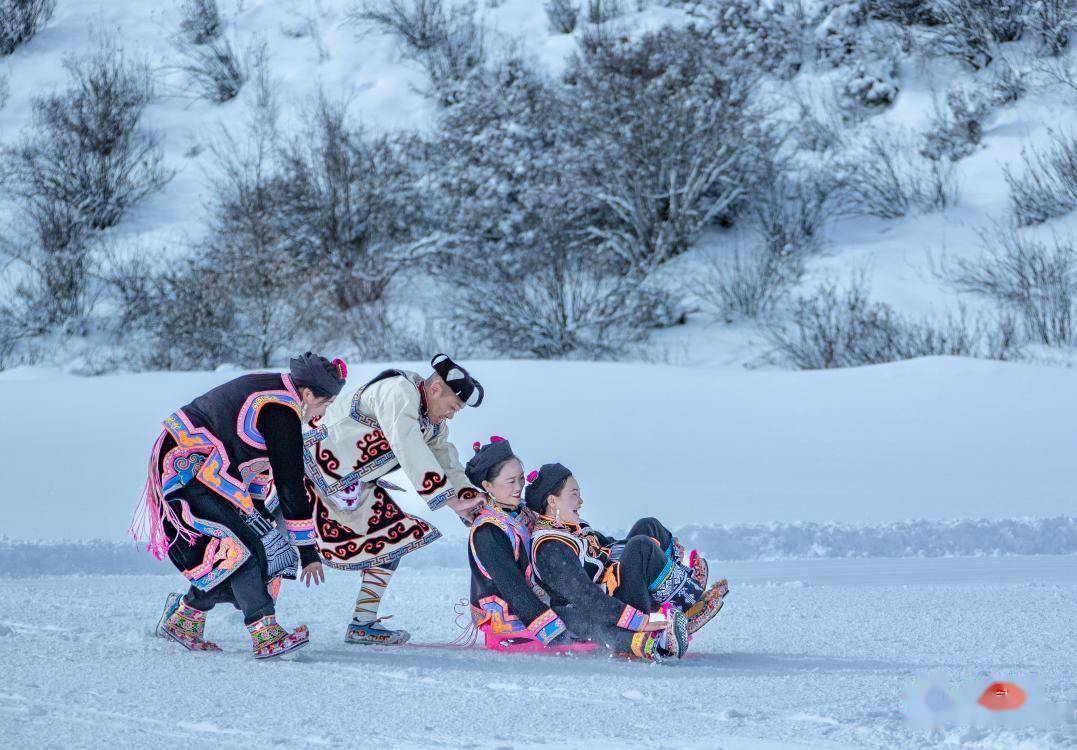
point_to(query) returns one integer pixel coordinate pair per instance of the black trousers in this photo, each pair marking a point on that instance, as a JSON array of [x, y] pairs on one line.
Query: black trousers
[[641, 562], [247, 586], [613, 638]]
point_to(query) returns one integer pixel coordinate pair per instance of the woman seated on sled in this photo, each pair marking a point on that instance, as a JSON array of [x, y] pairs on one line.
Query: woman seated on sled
[[506, 604], [609, 580]]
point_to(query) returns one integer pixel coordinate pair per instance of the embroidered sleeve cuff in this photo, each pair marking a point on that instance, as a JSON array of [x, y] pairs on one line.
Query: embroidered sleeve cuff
[[632, 619], [546, 627], [440, 499], [301, 533]]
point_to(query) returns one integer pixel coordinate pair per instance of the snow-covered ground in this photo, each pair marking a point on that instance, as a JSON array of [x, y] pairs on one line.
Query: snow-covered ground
[[823, 653], [831, 654]]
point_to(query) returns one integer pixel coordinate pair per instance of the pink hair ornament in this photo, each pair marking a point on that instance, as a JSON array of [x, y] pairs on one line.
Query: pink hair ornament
[[342, 369]]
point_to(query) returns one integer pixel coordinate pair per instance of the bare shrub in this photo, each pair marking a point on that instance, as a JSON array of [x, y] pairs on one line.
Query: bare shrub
[[562, 15], [1053, 22], [352, 207], [379, 331], [1037, 280], [421, 24], [603, 11], [790, 202], [749, 283], [904, 12], [888, 179], [971, 29], [1047, 187], [87, 150], [1008, 83], [239, 295], [824, 115], [20, 20], [562, 308], [448, 41], [214, 71], [842, 327], [956, 126], [670, 141], [200, 20]]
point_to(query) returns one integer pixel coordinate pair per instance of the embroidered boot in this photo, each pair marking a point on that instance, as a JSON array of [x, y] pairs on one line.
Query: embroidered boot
[[372, 634], [670, 642], [184, 624], [698, 565], [677, 586], [269, 639], [703, 611]]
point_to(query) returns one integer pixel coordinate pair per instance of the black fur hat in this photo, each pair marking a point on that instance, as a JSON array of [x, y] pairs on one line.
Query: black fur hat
[[458, 379], [486, 458], [543, 483]]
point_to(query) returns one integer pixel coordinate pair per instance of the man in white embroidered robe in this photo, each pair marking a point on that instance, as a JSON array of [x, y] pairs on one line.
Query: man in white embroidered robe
[[397, 420]]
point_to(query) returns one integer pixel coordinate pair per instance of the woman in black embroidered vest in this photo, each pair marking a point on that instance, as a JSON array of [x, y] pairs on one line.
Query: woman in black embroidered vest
[[507, 605], [612, 580], [225, 476]]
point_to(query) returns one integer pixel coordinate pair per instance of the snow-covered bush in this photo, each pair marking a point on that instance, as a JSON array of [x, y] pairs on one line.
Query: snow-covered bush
[[87, 149], [824, 115], [562, 15], [214, 71], [838, 33], [20, 20], [352, 211], [887, 178], [1008, 82], [872, 85], [382, 331], [956, 127], [904, 12], [603, 11], [1047, 186], [461, 54], [840, 326], [767, 32], [5, 90], [1053, 22], [501, 155], [667, 133], [49, 286], [1035, 279], [240, 295], [566, 306], [791, 201], [971, 29], [200, 20]]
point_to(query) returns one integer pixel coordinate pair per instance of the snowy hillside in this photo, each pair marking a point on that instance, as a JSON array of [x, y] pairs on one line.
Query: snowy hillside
[[872, 109]]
